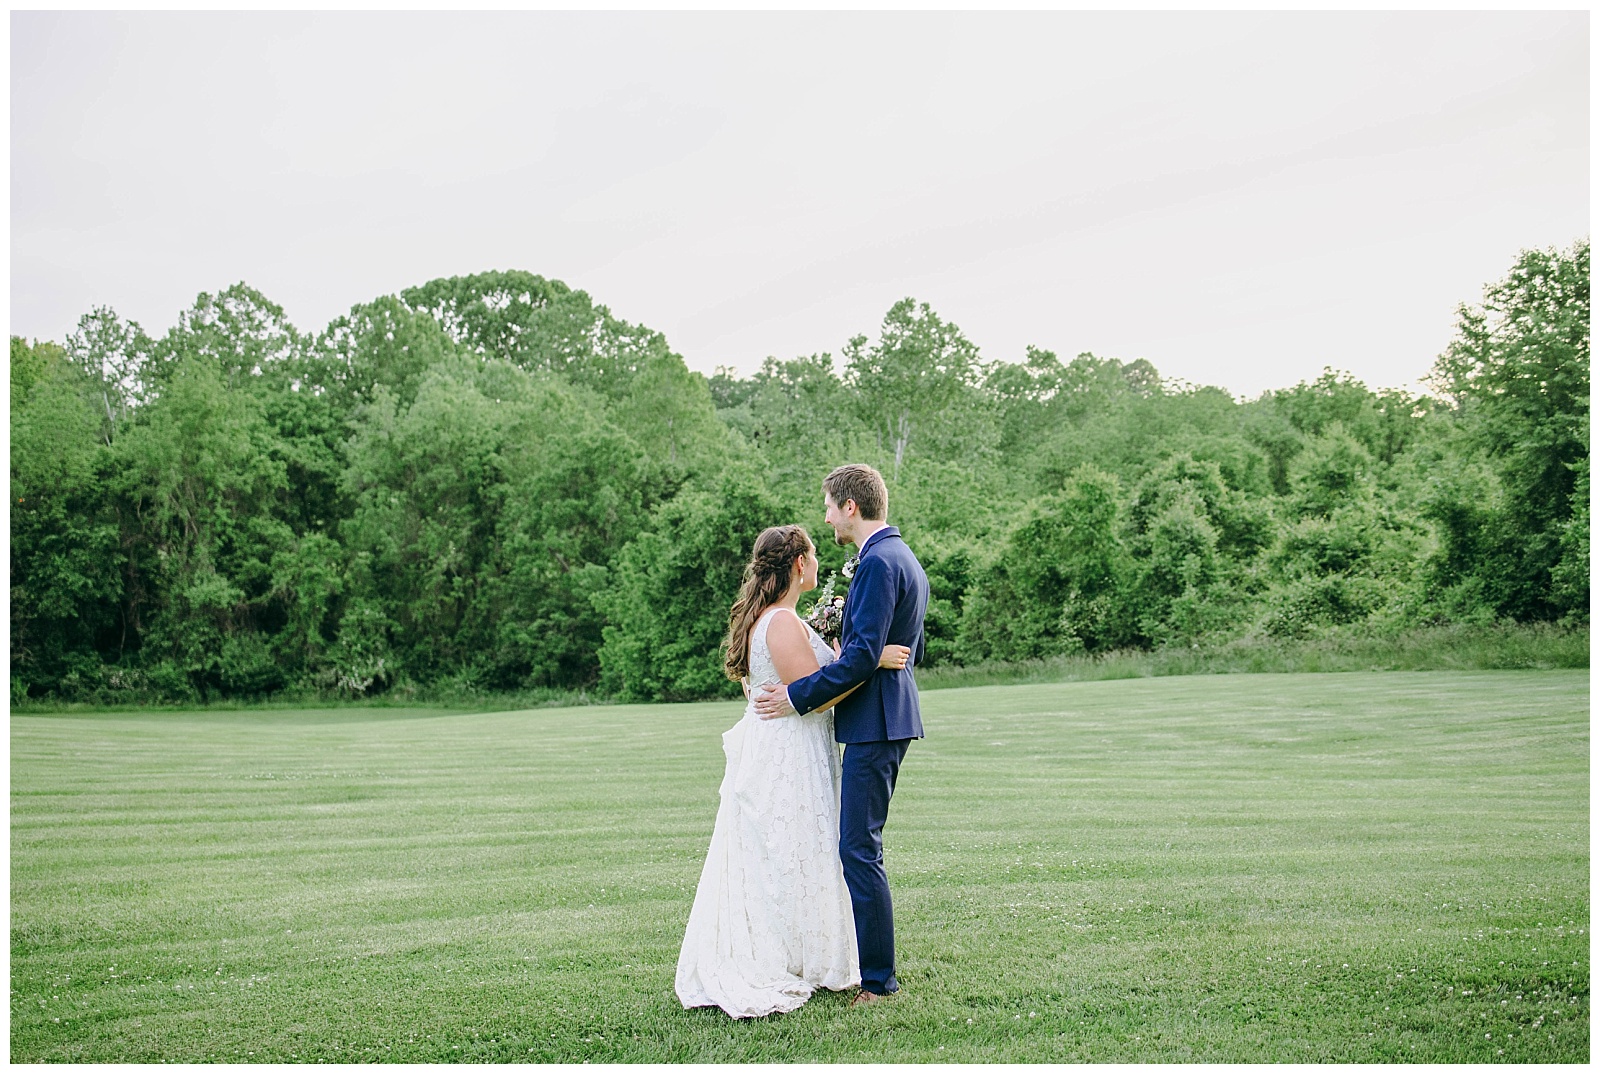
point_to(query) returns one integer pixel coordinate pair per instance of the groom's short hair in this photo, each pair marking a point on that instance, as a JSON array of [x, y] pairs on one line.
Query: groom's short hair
[[861, 483]]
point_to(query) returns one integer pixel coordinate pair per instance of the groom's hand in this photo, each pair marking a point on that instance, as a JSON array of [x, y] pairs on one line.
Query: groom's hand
[[772, 702]]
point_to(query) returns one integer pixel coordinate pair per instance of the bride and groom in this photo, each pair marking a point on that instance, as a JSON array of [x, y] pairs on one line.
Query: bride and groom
[[793, 896]]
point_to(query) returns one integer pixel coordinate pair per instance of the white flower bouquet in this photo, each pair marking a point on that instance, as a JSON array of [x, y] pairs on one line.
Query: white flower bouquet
[[826, 616]]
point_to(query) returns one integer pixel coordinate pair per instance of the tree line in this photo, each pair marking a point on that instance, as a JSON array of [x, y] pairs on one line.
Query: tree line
[[491, 483]]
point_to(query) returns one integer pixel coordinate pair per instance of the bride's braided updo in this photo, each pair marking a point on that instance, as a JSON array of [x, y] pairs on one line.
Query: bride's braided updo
[[766, 579]]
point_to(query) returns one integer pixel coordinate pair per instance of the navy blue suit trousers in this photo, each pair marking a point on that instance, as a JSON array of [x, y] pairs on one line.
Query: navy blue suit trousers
[[870, 769]]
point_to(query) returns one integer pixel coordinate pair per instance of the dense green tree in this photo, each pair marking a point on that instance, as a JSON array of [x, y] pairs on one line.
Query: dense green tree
[[1518, 372], [1179, 568], [199, 477], [1121, 418], [670, 589], [65, 553], [31, 363], [1348, 547], [1569, 578], [490, 482], [1195, 540], [668, 411], [378, 342], [798, 413], [578, 490], [485, 514], [918, 386], [1058, 583], [543, 326], [514, 317], [117, 358], [239, 333], [1243, 525]]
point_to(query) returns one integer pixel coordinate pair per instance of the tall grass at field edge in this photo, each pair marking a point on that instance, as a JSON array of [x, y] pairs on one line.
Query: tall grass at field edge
[[1536, 646], [1459, 647]]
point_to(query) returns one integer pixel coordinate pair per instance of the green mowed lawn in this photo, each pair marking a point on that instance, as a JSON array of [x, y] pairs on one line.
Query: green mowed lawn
[[1351, 868]]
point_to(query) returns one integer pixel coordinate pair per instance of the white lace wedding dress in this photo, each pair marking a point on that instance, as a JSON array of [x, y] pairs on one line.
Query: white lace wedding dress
[[771, 920]]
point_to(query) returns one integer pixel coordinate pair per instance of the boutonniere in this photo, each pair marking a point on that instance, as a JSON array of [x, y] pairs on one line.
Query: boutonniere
[[849, 568]]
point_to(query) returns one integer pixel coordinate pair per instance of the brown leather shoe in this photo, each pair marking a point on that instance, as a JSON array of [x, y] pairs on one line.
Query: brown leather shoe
[[864, 998]]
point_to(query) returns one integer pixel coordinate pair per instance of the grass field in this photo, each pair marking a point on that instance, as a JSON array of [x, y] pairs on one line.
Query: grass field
[[1350, 867]]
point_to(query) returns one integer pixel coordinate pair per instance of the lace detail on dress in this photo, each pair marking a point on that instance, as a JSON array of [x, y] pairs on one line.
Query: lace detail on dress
[[771, 919], [762, 669]]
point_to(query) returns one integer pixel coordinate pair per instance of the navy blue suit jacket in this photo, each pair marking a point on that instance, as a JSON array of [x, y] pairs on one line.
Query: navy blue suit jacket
[[885, 606]]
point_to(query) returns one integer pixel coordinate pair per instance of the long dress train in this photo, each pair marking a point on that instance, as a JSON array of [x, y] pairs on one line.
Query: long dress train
[[771, 920]]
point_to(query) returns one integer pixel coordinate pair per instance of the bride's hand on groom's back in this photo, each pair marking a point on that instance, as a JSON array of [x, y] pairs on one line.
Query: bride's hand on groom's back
[[894, 656]]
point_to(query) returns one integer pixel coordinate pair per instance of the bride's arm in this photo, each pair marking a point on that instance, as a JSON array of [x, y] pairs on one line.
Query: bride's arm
[[793, 658], [893, 658], [790, 648]]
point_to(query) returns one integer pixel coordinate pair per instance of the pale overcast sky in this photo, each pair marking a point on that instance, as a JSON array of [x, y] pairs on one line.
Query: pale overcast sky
[[1240, 198]]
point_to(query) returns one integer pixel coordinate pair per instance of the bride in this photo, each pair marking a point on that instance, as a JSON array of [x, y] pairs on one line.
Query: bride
[[771, 920]]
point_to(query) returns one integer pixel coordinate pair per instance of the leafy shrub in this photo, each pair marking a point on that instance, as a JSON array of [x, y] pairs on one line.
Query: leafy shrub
[[670, 590]]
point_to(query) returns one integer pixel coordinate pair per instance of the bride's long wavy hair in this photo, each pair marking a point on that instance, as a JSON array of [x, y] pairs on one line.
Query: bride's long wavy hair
[[766, 577]]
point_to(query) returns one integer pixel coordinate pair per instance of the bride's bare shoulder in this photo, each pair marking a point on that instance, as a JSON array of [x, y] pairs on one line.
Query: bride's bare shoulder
[[790, 646], [786, 626]]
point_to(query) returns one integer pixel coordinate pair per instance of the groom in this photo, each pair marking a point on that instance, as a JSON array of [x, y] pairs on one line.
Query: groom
[[887, 600]]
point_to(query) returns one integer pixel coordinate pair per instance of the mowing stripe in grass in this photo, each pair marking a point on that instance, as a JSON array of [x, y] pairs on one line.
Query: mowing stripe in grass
[[1354, 867]]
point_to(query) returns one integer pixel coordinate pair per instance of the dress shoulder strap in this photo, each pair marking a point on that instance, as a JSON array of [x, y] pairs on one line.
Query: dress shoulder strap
[[758, 632], [766, 616], [760, 655]]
